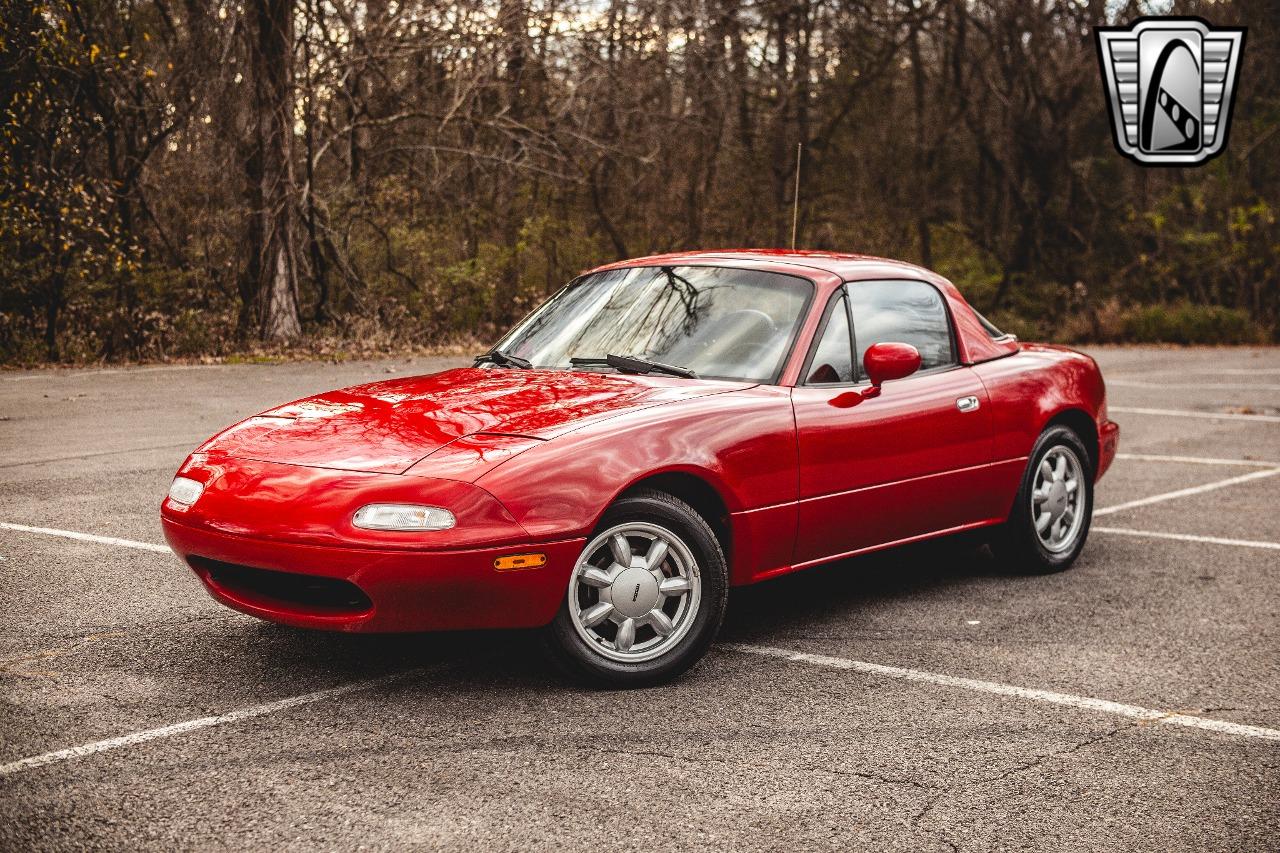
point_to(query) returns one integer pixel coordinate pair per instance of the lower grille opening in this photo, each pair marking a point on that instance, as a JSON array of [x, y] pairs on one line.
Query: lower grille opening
[[309, 592]]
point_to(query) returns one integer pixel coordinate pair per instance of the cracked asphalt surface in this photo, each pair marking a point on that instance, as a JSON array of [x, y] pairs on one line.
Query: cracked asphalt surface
[[480, 745]]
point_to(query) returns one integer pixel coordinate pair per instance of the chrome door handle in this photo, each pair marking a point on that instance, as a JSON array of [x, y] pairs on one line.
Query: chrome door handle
[[967, 404]]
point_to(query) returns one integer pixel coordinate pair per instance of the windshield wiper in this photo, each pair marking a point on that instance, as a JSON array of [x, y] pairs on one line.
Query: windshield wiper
[[497, 356], [635, 364]]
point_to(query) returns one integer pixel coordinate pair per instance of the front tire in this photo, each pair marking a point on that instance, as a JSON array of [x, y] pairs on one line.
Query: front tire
[[646, 597], [1049, 522]]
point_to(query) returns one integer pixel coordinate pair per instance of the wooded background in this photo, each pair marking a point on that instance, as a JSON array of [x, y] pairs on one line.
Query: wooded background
[[183, 178]]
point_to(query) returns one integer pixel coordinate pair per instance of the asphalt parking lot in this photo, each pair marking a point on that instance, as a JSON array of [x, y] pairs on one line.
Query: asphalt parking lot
[[914, 700]]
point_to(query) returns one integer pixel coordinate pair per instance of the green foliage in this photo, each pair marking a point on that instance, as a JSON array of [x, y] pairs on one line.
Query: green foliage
[[1190, 324], [60, 232], [973, 271]]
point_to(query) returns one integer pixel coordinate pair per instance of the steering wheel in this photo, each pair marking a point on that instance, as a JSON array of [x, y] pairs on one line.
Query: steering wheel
[[757, 316], [747, 352]]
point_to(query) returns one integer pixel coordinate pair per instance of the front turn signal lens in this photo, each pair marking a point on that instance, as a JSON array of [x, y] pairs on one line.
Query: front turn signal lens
[[403, 517], [520, 561], [185, 490]]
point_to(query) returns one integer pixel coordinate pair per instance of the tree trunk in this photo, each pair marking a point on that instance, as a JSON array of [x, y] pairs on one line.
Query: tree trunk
[[319, 269], [513, 18], [52, 307], [272, 280]]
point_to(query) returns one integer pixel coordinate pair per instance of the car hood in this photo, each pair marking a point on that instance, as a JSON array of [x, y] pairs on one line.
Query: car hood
[[387, 427]]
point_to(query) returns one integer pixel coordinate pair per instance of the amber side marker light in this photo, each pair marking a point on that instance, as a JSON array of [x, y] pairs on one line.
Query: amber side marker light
[[520, 561]]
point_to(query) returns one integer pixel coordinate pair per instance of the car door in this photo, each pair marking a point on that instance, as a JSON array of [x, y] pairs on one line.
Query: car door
[[907, 463]]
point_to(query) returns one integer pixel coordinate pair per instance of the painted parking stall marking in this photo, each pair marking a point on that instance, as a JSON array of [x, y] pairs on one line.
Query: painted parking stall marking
[[1182, 413], [1188, 537], [1196, 460], [86, 537], [1182, 493], [1083, 703], [1224, 371], [235, 716], [1269, 469], [1218, 386]]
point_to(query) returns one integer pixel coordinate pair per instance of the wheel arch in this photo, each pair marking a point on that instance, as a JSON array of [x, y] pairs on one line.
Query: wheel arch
[[695, 489], [1083, 425]]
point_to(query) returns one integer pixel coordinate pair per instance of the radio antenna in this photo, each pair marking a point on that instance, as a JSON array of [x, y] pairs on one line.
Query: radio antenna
[[795, 199]]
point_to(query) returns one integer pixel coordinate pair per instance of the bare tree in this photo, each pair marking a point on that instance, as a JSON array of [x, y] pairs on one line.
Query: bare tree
[[426, 169], [269, 287]]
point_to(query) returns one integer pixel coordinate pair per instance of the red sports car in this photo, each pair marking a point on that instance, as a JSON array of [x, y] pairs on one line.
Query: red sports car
[[658, 431]]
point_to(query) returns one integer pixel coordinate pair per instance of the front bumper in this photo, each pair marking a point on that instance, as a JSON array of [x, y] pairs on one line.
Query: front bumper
[[395, 590]]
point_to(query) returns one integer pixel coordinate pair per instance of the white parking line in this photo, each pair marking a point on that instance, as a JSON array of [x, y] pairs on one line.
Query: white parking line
[[1188, 537], [1083, 703], [1211, 371], [1182, 493], [199, 723], [1196, 460], [1080, 702], [1183, 413], [1216, 386], [86, 537]]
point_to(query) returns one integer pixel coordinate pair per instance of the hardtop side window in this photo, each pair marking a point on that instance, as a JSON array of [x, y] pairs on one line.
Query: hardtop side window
[[832, 361], [902, 311], [991, 329]]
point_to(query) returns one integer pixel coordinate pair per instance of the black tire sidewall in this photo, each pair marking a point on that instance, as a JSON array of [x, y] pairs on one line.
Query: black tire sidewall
[[578, 659]]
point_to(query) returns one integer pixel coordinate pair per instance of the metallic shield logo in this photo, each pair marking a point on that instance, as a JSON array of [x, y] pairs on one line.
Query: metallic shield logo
[[1171, 84]]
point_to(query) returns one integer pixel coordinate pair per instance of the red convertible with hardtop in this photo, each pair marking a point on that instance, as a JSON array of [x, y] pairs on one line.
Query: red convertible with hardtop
[[659, 431]]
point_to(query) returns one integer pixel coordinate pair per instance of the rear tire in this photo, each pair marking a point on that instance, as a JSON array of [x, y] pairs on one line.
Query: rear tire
[[646, 597], [1049, 522]]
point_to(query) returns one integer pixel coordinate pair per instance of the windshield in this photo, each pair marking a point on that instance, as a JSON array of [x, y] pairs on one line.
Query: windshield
[[719, 322]]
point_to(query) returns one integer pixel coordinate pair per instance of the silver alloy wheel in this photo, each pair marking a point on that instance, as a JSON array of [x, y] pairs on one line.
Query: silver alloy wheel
[[635, 591], [1057, 499]]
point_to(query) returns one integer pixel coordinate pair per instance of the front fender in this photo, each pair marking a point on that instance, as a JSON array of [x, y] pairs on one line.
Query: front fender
[[743, 443]]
